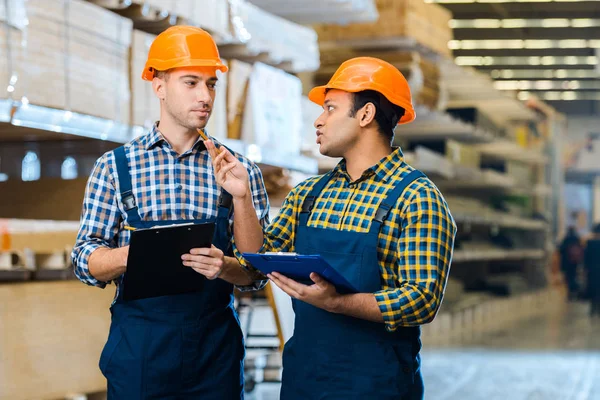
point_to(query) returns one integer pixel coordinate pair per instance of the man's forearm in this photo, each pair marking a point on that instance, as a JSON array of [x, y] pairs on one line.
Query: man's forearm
[[247, 231], [235, 274], [107, 264], [360, 305]]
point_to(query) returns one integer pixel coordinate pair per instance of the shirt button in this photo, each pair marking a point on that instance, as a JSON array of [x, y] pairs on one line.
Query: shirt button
[[179, 187]]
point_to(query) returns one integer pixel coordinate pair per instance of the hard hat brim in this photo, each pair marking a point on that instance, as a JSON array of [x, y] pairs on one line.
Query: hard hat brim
[[159, 65]]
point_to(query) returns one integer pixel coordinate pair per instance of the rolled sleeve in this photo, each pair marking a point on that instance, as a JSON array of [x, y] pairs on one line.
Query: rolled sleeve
[[100, 219], [424, 254]]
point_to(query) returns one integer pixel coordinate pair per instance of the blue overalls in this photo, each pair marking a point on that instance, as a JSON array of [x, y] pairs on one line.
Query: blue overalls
[[187, 346], [332, 356]]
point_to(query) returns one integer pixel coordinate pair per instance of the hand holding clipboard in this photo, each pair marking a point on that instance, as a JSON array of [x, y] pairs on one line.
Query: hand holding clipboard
[[299, 268]]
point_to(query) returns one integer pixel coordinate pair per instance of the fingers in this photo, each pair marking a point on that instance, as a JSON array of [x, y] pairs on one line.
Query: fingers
[[207, 251], [212, 150], [290, 286], [223, 172], [210, 267]]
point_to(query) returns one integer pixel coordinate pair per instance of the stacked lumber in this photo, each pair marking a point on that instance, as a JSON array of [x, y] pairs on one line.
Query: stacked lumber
[[71, 55], [145, 106], [425, 23], [292, 46], [208, 14]]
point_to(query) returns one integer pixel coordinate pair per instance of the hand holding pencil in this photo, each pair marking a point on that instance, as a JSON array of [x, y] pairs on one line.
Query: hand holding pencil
[[230, 173]]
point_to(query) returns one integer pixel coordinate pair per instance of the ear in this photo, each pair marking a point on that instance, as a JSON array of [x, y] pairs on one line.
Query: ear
[[158, 85], [366, 115]]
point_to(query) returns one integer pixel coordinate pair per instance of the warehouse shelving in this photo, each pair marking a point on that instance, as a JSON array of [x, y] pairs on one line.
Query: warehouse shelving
[[30, 122], [490, 254], [433, 124], [393, 43], [322, 11], [503, 220]]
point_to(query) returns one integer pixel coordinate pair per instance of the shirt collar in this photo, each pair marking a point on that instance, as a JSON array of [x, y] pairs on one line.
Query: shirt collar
[[384, 169], [155, 138]]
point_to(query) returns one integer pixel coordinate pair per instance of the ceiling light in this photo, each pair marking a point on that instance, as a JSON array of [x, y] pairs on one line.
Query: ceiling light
[[555, 23], [568, 60], [524, 23], [544, 74], [546, 85], [497, 44]]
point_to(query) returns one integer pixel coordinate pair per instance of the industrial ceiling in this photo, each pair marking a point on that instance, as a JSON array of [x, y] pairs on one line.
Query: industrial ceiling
[[546, 48]]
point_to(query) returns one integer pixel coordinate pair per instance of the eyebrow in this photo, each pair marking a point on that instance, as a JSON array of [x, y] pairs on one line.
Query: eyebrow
[[327, 102], [211, 79]]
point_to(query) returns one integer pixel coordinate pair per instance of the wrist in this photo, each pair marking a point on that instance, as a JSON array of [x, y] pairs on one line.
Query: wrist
[[243, 198], [124, 255], [335, 304]]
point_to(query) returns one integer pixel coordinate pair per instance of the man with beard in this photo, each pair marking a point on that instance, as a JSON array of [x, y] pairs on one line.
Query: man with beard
[[186, 346]]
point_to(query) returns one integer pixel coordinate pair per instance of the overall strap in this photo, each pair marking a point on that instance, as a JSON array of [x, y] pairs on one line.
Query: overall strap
[[127, 198], [225, 204], [386, 205], [309, 201]]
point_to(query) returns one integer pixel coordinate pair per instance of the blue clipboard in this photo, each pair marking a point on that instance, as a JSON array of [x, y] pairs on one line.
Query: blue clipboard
[[298, 267]]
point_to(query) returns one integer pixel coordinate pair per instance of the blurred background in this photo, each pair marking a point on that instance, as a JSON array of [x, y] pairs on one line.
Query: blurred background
[[507, 94]]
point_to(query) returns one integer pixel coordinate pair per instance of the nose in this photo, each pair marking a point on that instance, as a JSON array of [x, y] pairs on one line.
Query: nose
[[203, 94], [319, 122]]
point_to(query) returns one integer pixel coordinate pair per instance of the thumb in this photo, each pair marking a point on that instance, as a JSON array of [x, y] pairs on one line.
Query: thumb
[[316, 278]]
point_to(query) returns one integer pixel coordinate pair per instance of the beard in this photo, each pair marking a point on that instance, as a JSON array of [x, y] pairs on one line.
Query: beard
[[187, 119]]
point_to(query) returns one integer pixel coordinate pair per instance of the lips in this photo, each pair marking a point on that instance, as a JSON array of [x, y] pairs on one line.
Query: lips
[[319, 134], [203, 112]]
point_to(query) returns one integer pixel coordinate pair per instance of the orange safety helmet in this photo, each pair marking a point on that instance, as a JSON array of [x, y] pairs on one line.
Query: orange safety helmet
[[368, 73], [182, 46]]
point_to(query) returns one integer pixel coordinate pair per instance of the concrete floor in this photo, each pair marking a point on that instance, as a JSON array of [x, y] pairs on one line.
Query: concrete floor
[[555, 357]]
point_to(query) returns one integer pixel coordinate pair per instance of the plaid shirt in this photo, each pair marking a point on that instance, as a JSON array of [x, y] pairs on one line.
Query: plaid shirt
[[166, 187], [415, 242]]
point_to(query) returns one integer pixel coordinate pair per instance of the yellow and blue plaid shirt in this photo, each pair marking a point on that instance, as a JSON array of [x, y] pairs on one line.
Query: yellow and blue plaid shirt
[[415, 242]]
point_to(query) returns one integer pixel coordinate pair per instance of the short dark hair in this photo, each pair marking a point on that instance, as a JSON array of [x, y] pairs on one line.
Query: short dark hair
[[162, 74], [387, 114]]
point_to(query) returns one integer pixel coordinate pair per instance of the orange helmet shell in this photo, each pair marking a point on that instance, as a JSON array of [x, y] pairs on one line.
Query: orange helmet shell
[[182, 46], [368, 73]]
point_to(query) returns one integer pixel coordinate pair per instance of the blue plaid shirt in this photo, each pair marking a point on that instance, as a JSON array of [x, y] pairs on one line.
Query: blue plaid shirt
[[166, 186]]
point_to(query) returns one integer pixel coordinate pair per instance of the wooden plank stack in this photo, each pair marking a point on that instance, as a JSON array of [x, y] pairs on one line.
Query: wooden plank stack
[[72, 55], [208, 14], [145, 106], [426, 23]]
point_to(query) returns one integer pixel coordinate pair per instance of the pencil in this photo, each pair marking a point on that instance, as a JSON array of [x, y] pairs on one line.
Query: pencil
[[204, 137], [129, 228]]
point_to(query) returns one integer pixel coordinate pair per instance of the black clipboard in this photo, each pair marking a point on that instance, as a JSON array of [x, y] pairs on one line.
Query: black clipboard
[[298, 267], [154, 265]]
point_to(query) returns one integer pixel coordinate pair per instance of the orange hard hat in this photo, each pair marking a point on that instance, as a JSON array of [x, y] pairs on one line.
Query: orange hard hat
[[368, 73], [182, 46]]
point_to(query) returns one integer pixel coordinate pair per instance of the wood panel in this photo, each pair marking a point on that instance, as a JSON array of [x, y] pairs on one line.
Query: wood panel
[[48, 198], [51, 337]]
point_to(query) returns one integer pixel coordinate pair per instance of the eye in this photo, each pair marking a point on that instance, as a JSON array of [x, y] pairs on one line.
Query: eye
[[190, 83], [211, 86], [330, 108]]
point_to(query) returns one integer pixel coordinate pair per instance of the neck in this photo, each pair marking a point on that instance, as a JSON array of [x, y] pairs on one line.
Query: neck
[[365, 154], [180, 138]]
